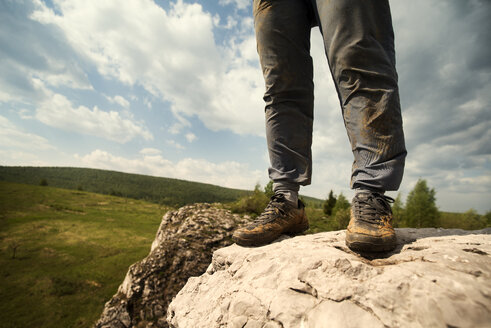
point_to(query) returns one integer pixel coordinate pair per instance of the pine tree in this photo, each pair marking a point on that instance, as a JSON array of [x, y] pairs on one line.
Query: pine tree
[[329, 203], [340, 213], [421, 210]]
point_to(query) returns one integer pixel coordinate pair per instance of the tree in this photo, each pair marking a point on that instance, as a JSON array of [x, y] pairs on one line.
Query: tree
[[341, 204], [473, 221], [13, 245], [268, 189], [329, 203], [253, 204], [342, 218], [421, 210], [487, 216], [398, 212]]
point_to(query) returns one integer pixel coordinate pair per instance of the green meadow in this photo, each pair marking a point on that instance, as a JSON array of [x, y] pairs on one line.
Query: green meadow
[[63, 253]]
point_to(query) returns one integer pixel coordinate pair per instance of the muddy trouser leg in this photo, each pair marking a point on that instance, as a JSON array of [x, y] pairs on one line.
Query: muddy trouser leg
[[283, 44], [359, 43]]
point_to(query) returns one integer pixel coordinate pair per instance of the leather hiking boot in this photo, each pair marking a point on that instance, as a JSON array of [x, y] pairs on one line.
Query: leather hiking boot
[[279, 217], [370, 228]]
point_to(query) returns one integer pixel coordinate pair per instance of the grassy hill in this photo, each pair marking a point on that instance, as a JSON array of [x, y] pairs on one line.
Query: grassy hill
[[63, 253], [172, 192]]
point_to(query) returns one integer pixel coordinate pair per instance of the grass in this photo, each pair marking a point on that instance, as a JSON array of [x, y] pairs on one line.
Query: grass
[[63, 253], [318, 221]]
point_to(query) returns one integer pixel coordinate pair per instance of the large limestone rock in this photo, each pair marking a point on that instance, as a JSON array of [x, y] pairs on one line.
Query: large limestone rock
[[435, 278], [182, 248]]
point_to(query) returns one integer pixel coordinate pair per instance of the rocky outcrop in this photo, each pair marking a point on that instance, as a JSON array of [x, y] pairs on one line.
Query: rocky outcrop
[[435, 278], [182, 248]]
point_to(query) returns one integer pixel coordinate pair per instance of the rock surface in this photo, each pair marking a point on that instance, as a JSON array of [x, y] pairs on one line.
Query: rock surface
[[434, 278], [182, 248]]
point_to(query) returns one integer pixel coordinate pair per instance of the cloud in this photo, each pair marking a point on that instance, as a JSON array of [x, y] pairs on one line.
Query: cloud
[[57, 111], [444, 69], [228, 174], [445, 76], [33, 51], [147, 103], [119, 100], [150, 151], [182, 56], [172, 54], [190, 137], [15, 138], [175, 144], [444, 81], [240, 4]]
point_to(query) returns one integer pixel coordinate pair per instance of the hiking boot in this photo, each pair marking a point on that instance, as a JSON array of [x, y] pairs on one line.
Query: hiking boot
[[370, 228], [279, 217]]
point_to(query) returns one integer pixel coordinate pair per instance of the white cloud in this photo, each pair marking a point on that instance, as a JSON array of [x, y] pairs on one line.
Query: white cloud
[[190, 137], [25, 114], [172, 54], [150, 151], [445, 103], [32, 51], [147, 102], [175, 144], [183, 57], [57, 111], [119, 100], [240, 4], [231, 23], [15, 138], [445, 78], [228, 174]]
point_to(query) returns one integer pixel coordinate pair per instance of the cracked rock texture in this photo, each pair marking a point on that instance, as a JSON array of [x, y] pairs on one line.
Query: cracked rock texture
[[182, 248], [434, 278]]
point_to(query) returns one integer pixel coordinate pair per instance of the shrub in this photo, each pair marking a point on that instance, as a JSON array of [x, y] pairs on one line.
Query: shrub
[[342, 218], [253, 204]]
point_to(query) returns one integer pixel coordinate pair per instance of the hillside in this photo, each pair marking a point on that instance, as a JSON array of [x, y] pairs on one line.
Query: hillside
[[64, 252], [172, 192]]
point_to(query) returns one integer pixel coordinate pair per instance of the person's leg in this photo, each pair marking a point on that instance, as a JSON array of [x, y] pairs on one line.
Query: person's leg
[[283, 44], [359, 43]]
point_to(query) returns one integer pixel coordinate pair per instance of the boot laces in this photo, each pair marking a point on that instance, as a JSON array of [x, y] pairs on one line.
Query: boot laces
[[373, 207], [272, 210]]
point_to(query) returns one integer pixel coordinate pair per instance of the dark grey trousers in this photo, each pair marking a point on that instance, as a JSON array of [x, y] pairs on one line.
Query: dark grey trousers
[[359, 44]]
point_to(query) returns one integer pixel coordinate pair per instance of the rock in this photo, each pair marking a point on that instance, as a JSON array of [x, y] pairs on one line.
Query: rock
[[182, 248], [434, 278]]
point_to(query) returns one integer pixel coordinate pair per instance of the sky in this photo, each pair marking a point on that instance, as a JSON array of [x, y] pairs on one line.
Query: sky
[[174, 89]]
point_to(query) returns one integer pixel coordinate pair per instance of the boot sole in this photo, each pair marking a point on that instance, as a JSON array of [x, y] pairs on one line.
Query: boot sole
[[363, 243], [261, 241]]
